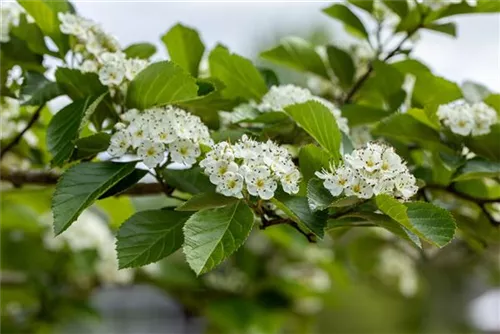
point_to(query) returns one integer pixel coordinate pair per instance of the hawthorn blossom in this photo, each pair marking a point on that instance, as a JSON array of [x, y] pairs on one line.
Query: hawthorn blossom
[[467, 119]]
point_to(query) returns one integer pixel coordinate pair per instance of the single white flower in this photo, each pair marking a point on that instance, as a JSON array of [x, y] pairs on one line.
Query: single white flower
[[359, 187], [152, 154], [259, 183], [405, 184], [290, 182], [133, 67], [111, 74], [184, 151], [89, 66], [231, 185], [119, 144], [220, 168]]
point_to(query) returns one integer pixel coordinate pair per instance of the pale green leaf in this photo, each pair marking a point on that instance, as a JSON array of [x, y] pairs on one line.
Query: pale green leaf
[[184, 47], [140, 50], [478, 168], [351, 22]]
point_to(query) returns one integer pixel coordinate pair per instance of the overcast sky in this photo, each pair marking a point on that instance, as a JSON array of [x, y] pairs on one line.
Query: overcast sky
[[474, 55]]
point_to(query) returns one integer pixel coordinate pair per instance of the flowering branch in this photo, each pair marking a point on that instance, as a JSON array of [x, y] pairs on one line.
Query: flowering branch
[[16, 140]]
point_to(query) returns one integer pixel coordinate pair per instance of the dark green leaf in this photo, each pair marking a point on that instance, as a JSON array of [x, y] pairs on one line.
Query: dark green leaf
[[79, 85], [478, 168], [446, 28], [31, 34], [149, 236], [312, 159], [90, 146], [346, 201], [241, 77], [65, 127], [319, 122], [400, 7], [411, 22], [125, 183], [366, 5], [189, 180], [184, 47], [351, 22], [269, 76], [206, 201], [81, 185], [140, 50], [342, 65], [211, 235], [358, 114], [318, 197], [38, 90], [160, 84], [17, 52], [298, 54]]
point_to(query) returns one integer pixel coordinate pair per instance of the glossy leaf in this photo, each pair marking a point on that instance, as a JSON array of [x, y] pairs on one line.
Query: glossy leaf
[[478, 168], [208, 200], [38, 90]]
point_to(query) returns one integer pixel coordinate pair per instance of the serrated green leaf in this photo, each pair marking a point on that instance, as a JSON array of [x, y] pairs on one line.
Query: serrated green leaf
[[125, 183], [149, 236], [318, 197], [65, 127], [241, 77], [346, 201], [312, 159], [208, 200], [89, 146], [351, 22], [429, 222], [81, 185], [317, 120], [298, 54], [342, 65], [38, 90], [478, 168], [140, 50], [160, 84], [211, 235], [408, 130], [297, 208], [184, 47]]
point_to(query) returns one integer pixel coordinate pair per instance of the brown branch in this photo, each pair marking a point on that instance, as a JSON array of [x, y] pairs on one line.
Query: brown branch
[[20, 135], [19, 178], [359, 83]]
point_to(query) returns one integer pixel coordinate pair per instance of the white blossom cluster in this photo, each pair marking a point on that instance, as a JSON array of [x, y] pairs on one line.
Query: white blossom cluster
[[9, 17], [465, 119], [10, 122], [252, 166], [398, 266], [101, 51], [372, 170], [87, 233], [155, 133], [282, 96]]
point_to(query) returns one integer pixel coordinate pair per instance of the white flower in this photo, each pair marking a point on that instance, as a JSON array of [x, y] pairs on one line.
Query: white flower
[[89, 66], [392, 164], [220, 168], [119, 144], [405, 184], [290, 182], [484, 117], [462, 123], [184, 151], [133, 67], [369, 159], [464, 119], [359, 187], [259, 183], [336, 181], [139, 132], [231, 185], [111, 74], [152, 154]]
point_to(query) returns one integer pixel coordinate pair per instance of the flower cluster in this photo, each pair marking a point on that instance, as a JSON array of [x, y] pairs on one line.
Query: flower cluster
[[368, 171], [101, 51], [89, 34], [90, 232], [280, 97], [9, 17], [156, 133], [465, 119], [251, 165]]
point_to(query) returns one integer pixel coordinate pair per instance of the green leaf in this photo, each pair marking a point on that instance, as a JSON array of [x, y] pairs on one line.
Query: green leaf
[[487, 146], [189, 180], [38, 90], [211, 235], [184, 47], [318, 197], [346, 201], [493, 100], [426, 117], [474, 92], [79, 85], [351, 22], [449, 28], [358, 114], [408, 130], [140, 50], [16, 52], [297, 208], [317, 120], [312, 159], [206, 201], [45, 15], [90, 146], [32, 35], [400, 7], [241, 77], [411, 21], [65, 127], [125, 183], [81, 185], [149, 236], [429, 222], [159, 84], [431, 89], [270, 77], [298, 54], [482, 6], [478, 168], [342, 65], [366, 5]]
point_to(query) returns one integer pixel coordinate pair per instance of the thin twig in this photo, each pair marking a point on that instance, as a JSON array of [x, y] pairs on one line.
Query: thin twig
[[16, 140]]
